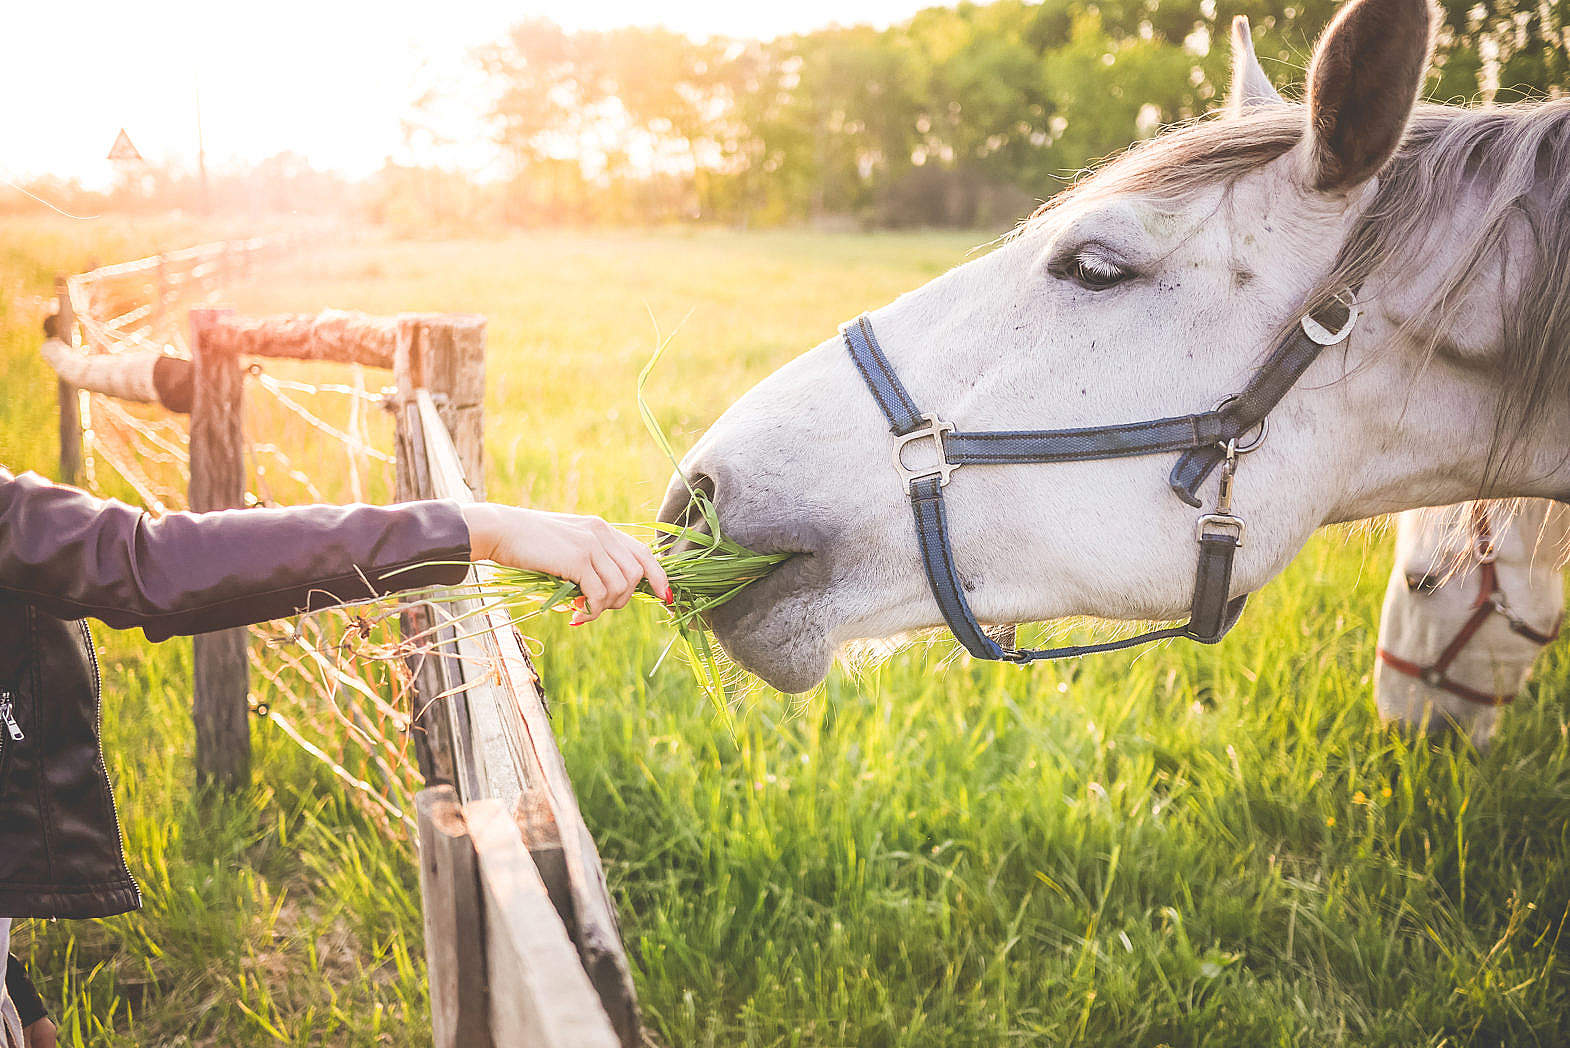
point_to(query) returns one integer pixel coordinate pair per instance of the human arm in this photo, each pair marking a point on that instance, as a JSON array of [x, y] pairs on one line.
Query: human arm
[[76, 556]]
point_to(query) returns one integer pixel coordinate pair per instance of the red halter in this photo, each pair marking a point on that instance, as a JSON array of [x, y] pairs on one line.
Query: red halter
[[1490, 601]]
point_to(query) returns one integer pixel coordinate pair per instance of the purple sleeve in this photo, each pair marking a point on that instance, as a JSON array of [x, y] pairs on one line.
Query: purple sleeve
[[76, 556]]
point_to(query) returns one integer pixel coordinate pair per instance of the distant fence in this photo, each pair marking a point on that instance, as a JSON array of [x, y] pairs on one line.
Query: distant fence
[[522, 942], [118, 309]]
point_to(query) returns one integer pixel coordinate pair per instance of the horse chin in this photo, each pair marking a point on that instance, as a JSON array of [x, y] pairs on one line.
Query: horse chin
[[1414, 707], [773, 628]]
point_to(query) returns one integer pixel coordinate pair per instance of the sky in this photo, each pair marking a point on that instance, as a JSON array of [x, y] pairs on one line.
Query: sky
[[332, 80]]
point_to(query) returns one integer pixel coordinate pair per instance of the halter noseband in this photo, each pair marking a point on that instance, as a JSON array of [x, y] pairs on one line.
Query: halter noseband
[[1490, 600], [1207, 440]]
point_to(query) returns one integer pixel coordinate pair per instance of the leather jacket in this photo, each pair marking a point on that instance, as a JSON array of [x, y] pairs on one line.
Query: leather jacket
[[66, 556]]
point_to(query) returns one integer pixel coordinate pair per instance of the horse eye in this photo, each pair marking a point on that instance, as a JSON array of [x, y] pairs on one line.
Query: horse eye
[[1094, 272], [1421, 582]]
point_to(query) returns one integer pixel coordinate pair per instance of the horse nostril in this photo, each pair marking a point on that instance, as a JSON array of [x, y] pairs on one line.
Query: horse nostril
[[679, 507], [1421, 582]]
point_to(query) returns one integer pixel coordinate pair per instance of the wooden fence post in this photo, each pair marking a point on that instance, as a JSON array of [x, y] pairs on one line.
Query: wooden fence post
[[412, 481], [458, 370], [446, 355], [454, 924], [70, 406], [435, 679], [220, 707]]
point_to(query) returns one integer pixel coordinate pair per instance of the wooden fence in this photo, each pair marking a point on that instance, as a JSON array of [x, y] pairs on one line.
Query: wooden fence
[[522, 942], [505, 857]]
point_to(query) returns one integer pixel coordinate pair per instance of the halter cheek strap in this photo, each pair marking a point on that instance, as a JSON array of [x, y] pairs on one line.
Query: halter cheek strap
[[1207, 440]]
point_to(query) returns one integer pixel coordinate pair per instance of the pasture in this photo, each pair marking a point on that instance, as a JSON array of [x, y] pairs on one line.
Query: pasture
[[1182, 846]]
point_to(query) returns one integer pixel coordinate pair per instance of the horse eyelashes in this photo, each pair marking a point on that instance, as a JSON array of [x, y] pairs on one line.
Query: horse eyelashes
[[1090, 265], [1094, 271]]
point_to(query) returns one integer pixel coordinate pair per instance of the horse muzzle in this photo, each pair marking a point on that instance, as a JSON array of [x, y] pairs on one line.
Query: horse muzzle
[[775, 627]]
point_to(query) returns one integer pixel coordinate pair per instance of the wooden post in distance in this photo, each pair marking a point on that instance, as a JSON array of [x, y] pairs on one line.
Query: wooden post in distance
[[70, 408]]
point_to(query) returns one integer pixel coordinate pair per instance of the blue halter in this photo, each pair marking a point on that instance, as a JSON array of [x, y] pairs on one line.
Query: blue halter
[[1207, 440]]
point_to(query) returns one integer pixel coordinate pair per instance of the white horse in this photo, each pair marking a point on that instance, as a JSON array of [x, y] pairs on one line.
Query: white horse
[[1475, 595], [1153, 289]]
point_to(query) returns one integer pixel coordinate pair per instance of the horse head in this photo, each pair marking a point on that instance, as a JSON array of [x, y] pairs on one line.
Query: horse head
[[1153, 289], [1473, 598]]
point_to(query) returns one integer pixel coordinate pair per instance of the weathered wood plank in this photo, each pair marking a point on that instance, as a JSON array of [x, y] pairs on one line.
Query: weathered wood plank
[[223, 730], [513, 740], [432, 738], [334, 334], [455, 369], [124, 376], [540, 996], [454, 922]]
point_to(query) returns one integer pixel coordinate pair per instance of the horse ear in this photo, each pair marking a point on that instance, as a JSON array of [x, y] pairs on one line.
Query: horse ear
[[1250, 86], [1365, 78]]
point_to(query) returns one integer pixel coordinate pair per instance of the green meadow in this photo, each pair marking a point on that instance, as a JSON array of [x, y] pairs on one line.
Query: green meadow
[[1189, 845]]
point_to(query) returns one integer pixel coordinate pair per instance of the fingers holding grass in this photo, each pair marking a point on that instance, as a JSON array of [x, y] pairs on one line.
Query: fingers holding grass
[[695, 570], [609, 584]]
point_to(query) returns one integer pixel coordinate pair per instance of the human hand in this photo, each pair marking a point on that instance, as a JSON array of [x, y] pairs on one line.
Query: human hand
[[40, 1034], [606, 564]]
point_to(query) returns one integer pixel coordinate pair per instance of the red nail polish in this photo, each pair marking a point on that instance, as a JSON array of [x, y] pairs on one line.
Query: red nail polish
[[670, 597]]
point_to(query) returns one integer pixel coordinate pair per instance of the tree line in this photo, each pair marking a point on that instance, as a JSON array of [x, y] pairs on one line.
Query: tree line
[[960, 115], [964, 116]]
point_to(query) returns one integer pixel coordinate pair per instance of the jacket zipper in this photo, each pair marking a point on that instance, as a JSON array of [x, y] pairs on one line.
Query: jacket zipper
[[98, 716], [13, 729], [8, 716]]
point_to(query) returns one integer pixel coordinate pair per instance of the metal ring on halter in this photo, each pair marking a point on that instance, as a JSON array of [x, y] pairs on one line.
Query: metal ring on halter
[[1322, 335], [1264, 428]]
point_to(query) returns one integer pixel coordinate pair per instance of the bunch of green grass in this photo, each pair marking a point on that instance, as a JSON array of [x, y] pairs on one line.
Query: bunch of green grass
[[705, 567]]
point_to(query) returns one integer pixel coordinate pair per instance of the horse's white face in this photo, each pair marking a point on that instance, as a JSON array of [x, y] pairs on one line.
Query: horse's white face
[[1027, 337], [1433, 592]]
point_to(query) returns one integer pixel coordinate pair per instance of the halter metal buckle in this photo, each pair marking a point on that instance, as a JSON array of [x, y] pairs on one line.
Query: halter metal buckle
[[1322, 335], [1211, 523], [942, 469], [1223, 519]]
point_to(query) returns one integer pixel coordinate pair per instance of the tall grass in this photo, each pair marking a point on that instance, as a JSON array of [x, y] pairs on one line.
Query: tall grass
[[1184, 846]]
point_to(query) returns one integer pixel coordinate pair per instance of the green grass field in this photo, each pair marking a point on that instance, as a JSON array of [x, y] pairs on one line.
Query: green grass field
[[1186, 846]]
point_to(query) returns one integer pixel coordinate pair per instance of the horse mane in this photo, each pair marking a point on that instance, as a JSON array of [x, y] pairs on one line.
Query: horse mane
[[1516, 157], [1549, 520]]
